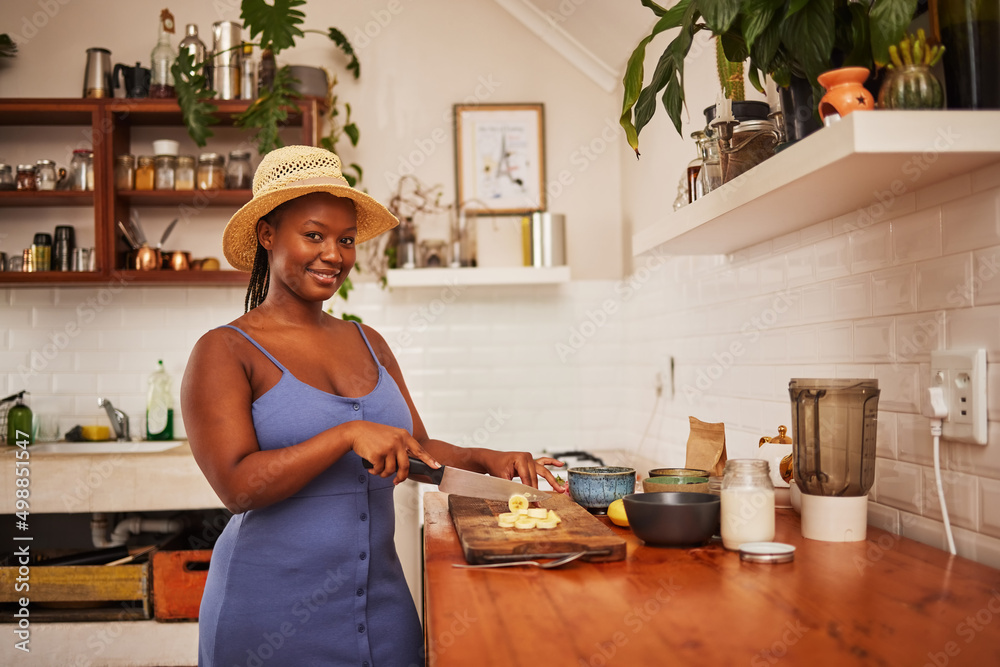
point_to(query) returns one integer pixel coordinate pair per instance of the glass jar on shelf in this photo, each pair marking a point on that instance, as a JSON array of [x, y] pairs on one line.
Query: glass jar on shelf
[[25, 177], [694, 166], [211, 172], [7, 177], [145, 173], [82, 170], [46, 175], [239, 173], [124, 172], [163, 172], [710, 176], [184, 173]]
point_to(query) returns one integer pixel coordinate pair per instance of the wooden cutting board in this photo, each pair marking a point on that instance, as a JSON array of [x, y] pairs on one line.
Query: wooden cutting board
[[483, 541]]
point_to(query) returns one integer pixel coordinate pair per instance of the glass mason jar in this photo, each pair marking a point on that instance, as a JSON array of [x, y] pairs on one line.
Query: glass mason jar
[[25, 177], [164, 166], [747, 511], [239, 173], [211, 172], [184, 173], [694, 166], [144, 173], [46, 175], [7, 180], [710, 176], [81, 169], [124, 172]]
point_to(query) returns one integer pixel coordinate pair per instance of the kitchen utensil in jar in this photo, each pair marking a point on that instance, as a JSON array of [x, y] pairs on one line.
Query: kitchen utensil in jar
[[97, 81], [464, 483], [137, 231], [166, 233], [147, 259], [558, 562], [127, 233]]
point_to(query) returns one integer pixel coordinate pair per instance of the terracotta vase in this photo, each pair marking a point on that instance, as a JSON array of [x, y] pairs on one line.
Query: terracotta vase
[[845, 91]]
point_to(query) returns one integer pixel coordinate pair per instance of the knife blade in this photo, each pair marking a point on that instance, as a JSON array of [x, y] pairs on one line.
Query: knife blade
[[477, 485]]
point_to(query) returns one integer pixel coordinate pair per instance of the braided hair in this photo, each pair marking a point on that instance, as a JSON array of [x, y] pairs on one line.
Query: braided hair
[[260, 275]]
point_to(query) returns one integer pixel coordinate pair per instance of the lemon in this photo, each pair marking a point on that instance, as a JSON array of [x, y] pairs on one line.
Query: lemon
[[616, 512]]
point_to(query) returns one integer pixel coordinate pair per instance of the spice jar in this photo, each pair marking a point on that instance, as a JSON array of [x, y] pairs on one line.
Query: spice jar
[[239, 173], [124, 172], [144, 173], [81, 168], [184, 173], [164, 166], [41, 252], [7, 181], [46, 175], [211, 172], [747, 510], [25, 177]]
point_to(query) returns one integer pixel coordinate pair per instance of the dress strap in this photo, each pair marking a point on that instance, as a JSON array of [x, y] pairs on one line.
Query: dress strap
[[259, 347], [365, 338]]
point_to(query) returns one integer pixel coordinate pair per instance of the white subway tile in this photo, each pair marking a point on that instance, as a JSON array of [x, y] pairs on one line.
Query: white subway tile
[[801, 265], [772, 275], [873, 340], [917, 236], [900, 485], [833, 257], [852, 297], [917, 335], [884, 517], [980, 460], [944, 282], [944, 191], [922, 529], [32, 296], [75, 383], [803, 345], [893, 291], [871, 248], [986, 549], [961, 495], [816, 232], [885, 442], [817, 302], [835, 342], [849, 371], [993, 389], [972, 222], [779, 245], [913, 438], [976, 328], [986, 178], [773, 348], [986, 276], [989, 506]]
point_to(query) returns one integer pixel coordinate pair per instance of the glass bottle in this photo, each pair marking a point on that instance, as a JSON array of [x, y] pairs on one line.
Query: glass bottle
[[193, 45], [248, 74], [184, 173], [211, 172], [25, 177], [710, 176], [239, 173], [7, 180], [747, 510], [267, 69], [145, 172], [124, 172], [161, 83], [694, 166], [163, 172], [78, 168], [159, 406], [45, 175]]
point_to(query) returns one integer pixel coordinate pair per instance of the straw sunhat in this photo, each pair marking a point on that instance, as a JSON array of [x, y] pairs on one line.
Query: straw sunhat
[[287, 173]]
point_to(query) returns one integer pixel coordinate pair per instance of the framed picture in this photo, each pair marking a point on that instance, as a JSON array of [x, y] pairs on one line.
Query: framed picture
[[500, 158]]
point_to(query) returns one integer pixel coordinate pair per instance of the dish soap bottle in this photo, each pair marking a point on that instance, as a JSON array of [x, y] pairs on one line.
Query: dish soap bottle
[[161, 84], [159, 406], [19, 423]]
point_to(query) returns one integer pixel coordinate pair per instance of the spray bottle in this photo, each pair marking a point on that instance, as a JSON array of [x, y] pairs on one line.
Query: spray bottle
[[159, 406]]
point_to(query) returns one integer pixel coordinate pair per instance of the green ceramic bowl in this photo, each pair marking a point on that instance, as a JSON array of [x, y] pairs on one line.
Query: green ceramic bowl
[[675, 483]]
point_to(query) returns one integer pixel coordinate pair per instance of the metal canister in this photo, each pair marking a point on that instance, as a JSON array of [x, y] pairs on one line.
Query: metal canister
[[227, 45], [62, 252], [544, 239]]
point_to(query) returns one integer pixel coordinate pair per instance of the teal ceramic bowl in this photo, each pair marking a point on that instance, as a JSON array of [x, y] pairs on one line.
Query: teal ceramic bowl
[[596, 487]]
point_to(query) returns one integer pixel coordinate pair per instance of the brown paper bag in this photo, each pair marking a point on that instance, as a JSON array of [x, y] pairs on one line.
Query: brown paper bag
[[706, 447]]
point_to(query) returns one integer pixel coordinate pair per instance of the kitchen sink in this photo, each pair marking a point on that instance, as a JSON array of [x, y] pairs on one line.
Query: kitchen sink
[[105, 447]]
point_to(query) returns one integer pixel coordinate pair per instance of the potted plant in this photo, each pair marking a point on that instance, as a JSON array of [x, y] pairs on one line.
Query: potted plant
[[785, 39]]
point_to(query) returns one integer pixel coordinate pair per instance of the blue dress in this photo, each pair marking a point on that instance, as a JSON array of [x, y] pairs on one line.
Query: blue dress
[[314, 579]]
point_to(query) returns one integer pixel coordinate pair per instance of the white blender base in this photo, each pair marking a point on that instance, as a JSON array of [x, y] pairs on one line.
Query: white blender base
[[834, 518]]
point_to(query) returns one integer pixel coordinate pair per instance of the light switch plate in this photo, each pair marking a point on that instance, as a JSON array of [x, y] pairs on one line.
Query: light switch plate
[[962, 375]]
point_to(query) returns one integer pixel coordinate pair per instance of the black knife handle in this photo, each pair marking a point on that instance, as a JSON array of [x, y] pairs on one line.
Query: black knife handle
[[417, 467]]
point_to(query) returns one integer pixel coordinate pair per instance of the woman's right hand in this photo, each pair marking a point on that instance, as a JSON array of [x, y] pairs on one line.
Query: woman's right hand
[[387, 448]]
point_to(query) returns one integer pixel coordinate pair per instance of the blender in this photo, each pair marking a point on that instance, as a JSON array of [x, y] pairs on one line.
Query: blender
[[834, 424]]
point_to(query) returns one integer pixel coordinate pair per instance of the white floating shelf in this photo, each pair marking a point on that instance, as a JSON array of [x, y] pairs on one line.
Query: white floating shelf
[[516, 275], [839, 169]]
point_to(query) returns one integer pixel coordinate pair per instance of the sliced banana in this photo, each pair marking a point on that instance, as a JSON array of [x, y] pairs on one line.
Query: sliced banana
[[537, 512], [546, 524], [506, 524], [509, 516], [517, 502], [525, 524], [522, 512], [552, 516]]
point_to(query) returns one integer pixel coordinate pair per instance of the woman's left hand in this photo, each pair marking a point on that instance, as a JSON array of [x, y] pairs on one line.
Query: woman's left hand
[[509, 465]]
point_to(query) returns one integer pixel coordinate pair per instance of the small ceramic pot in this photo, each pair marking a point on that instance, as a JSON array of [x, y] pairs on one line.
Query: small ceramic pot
[[596, 487], [912, 87], [676, 483], [845, 92]]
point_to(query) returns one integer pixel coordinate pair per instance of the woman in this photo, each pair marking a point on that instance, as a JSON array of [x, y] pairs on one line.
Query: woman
[[281, 407]]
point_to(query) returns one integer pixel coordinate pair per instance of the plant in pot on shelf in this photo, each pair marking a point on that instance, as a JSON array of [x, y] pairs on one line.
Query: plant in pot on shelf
[[910, 83], [8, 49], [792, 41]]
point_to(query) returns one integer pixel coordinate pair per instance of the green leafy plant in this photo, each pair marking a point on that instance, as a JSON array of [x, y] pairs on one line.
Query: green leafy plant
[[780, 38], [8, 49]]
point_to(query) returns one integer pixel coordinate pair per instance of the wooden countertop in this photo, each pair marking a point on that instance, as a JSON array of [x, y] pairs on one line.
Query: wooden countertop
[[886, 601]]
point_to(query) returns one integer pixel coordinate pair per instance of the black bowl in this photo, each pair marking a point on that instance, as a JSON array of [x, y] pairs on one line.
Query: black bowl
[[673, 519]]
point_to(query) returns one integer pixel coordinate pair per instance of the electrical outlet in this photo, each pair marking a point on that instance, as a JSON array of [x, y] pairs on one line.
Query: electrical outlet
[[962, 375]]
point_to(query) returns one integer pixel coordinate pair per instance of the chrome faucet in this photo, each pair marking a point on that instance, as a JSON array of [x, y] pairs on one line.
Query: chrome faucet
[[119, 420]]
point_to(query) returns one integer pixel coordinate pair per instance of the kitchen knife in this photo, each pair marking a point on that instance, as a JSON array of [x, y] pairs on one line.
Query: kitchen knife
[[465, 483]]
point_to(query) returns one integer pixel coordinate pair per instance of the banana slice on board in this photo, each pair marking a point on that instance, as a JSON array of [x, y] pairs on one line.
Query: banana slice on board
[[517, 502]]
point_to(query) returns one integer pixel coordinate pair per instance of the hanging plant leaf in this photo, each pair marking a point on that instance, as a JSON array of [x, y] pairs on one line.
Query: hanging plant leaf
[[270, 110], [8, 49], [193, 94], [276, 23], [340, 40], [757, 17], [657, 9], [809, 35], [888, 21], [719, 14]]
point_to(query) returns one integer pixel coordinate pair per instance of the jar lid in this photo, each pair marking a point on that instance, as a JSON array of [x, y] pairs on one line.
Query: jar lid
[[42, 238], [4, 166], [44, 163], [239, 155], [210, 157], [186, 160], [125, 158], [753, 126], [767, 552], [166, 158], [83, 151], [145, 160], [25, 167]]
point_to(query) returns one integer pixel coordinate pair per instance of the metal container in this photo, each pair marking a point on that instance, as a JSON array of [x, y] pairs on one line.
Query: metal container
[[227, 43], [544, 238], [226, 82], [97, 81]]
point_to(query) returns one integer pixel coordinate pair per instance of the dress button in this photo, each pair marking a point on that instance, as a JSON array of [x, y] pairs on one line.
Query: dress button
[[361, 478], [364, 664], [357, 407], [364, 516], [361, 627], [361, 592], [363, 555]]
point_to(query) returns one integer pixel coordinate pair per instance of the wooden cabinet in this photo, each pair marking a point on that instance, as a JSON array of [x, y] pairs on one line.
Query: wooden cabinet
[[109, 124]]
